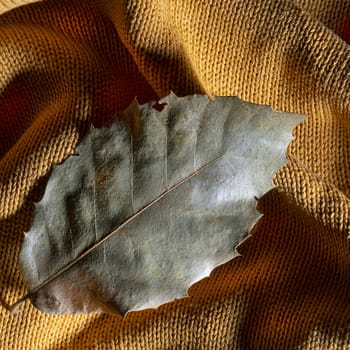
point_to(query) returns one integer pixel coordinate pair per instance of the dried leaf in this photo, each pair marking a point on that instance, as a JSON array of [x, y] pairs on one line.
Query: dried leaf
[[136, 218]]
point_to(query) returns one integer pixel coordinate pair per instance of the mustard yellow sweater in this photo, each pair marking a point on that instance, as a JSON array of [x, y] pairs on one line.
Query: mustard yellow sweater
[[67, 63]]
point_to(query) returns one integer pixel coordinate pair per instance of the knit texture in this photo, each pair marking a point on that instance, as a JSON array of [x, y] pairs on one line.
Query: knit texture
[[65, 64]]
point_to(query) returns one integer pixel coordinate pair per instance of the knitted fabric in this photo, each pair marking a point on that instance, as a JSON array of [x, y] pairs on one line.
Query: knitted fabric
[[65, 64]]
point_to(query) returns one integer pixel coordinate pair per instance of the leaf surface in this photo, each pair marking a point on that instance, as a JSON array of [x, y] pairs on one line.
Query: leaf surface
[[131, 222]]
